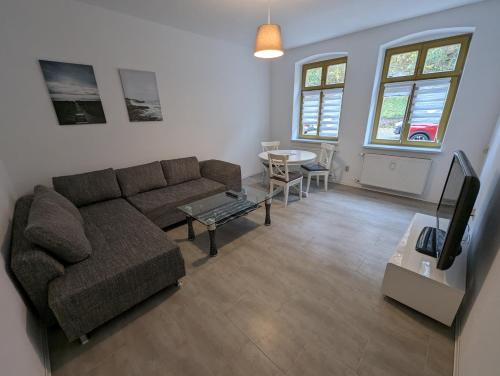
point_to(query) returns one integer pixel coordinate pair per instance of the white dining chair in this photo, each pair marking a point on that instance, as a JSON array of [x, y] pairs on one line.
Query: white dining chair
[[268, 146], [280, 175], [321, 167]]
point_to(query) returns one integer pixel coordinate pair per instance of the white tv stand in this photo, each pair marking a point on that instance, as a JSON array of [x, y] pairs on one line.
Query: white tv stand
[[413, 279]]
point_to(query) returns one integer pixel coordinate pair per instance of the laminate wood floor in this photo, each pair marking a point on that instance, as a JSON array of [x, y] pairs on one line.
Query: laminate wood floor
[[302, 297]]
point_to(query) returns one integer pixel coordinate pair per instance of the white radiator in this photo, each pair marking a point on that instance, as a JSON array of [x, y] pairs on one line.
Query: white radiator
[[403, 174]]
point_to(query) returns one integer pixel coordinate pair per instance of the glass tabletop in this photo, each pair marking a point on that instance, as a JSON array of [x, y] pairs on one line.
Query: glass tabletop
[[222, 207]]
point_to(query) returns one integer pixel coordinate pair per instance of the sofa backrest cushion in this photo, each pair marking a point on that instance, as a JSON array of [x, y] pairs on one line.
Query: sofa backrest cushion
[[87, 188], [41, 190], [137, 179], [55, 229], [181, 170]]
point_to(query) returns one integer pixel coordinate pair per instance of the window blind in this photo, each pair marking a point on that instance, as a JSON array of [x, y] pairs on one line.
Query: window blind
[[399, 89], [330, 112], [429, 100], [310, 111]]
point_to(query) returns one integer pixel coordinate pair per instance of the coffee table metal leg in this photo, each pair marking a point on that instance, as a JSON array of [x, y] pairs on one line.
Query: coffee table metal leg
[[267, 222], [213, 245], [190, 228]]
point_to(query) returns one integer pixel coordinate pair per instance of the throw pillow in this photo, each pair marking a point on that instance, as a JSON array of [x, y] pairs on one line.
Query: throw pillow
[[55, 229]]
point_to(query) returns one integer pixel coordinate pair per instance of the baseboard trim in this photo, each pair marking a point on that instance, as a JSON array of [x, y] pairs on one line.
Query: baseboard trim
[[44, 342], [456, 355], [392, 193]]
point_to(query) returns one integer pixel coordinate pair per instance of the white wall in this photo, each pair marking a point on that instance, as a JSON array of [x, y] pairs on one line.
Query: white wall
[[477, 343], [476, 106], [214, 95], [22, 346]]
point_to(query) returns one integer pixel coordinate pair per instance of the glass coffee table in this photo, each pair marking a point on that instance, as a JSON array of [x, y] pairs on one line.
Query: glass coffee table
[[221, 208]]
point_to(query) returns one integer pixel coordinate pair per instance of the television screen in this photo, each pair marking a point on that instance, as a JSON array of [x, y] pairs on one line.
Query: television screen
[[449, 200], [452, 215]]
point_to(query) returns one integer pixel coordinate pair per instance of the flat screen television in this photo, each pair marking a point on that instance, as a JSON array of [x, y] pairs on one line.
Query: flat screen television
[[452, 214]]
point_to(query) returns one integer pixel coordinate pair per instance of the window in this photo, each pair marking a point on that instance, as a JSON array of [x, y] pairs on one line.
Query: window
[[418, 86], [321, 99]]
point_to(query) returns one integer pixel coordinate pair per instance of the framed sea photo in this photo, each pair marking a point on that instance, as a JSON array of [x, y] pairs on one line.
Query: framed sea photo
[[74, 93], [141, 95]]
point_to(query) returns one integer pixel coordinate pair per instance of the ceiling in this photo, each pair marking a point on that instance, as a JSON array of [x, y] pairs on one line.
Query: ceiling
[[302, 21]]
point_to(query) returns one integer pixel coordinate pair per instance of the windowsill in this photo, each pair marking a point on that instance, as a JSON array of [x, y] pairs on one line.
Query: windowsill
[[412, 149], [306, 141]]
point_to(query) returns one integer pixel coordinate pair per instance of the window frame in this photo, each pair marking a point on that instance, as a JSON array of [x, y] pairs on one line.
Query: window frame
[[419, 76], [323, 86]]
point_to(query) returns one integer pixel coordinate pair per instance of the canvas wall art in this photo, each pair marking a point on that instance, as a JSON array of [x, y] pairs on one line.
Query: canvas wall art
[[141, 95], [74, 93]]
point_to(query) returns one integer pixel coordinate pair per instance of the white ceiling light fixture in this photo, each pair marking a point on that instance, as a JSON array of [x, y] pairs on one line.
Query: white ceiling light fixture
[[268, 44]]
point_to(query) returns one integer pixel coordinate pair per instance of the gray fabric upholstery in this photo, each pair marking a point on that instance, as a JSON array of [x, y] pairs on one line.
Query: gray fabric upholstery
[[131, 260], [55, 229], [88, 188], [32, 266], [160, 205], [181, 170], [223, 172], [313, 167], [169, 218], [291, 177], [137, 179], [59, 200]]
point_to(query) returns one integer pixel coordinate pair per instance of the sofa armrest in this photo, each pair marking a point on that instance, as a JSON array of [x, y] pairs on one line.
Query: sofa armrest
[[34, 270], [223, 172], [31, 265]]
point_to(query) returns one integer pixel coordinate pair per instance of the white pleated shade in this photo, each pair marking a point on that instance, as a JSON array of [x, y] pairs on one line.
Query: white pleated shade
[[268, 41]]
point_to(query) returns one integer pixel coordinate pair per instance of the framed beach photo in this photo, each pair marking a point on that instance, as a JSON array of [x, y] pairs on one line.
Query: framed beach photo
[[74, 93], [141, 95]]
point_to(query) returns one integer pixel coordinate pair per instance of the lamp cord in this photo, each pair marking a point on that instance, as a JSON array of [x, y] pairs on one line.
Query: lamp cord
[[269, 12]]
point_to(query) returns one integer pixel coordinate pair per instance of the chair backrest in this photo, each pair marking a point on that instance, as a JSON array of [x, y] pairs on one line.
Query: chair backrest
[[278, 166], [326, 155], [270, 145]]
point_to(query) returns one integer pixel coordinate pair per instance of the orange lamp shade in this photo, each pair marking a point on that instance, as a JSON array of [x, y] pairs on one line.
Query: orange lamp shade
[[268, 41]]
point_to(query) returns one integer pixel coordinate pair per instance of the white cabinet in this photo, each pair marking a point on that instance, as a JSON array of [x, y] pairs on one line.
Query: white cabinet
[[413, 279]]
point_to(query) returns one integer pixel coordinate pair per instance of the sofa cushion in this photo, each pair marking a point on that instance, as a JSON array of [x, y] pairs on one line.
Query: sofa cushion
[[155, 203], [131, 260], [314, 167], [88, 188], [137, 179], [54, 228], [59, 200], [291, 177], [181, 170]]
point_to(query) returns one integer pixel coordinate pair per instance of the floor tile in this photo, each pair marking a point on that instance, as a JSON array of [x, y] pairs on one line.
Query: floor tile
[[299, 297]]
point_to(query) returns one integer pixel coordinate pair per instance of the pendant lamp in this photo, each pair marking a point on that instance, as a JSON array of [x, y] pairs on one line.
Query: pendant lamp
[[268, 43]]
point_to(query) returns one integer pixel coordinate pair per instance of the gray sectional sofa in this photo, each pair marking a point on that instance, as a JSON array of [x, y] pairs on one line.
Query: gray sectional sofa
[[93, 246]]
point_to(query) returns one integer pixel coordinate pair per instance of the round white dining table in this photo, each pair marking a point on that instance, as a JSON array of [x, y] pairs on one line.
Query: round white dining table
[[295, 157]]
